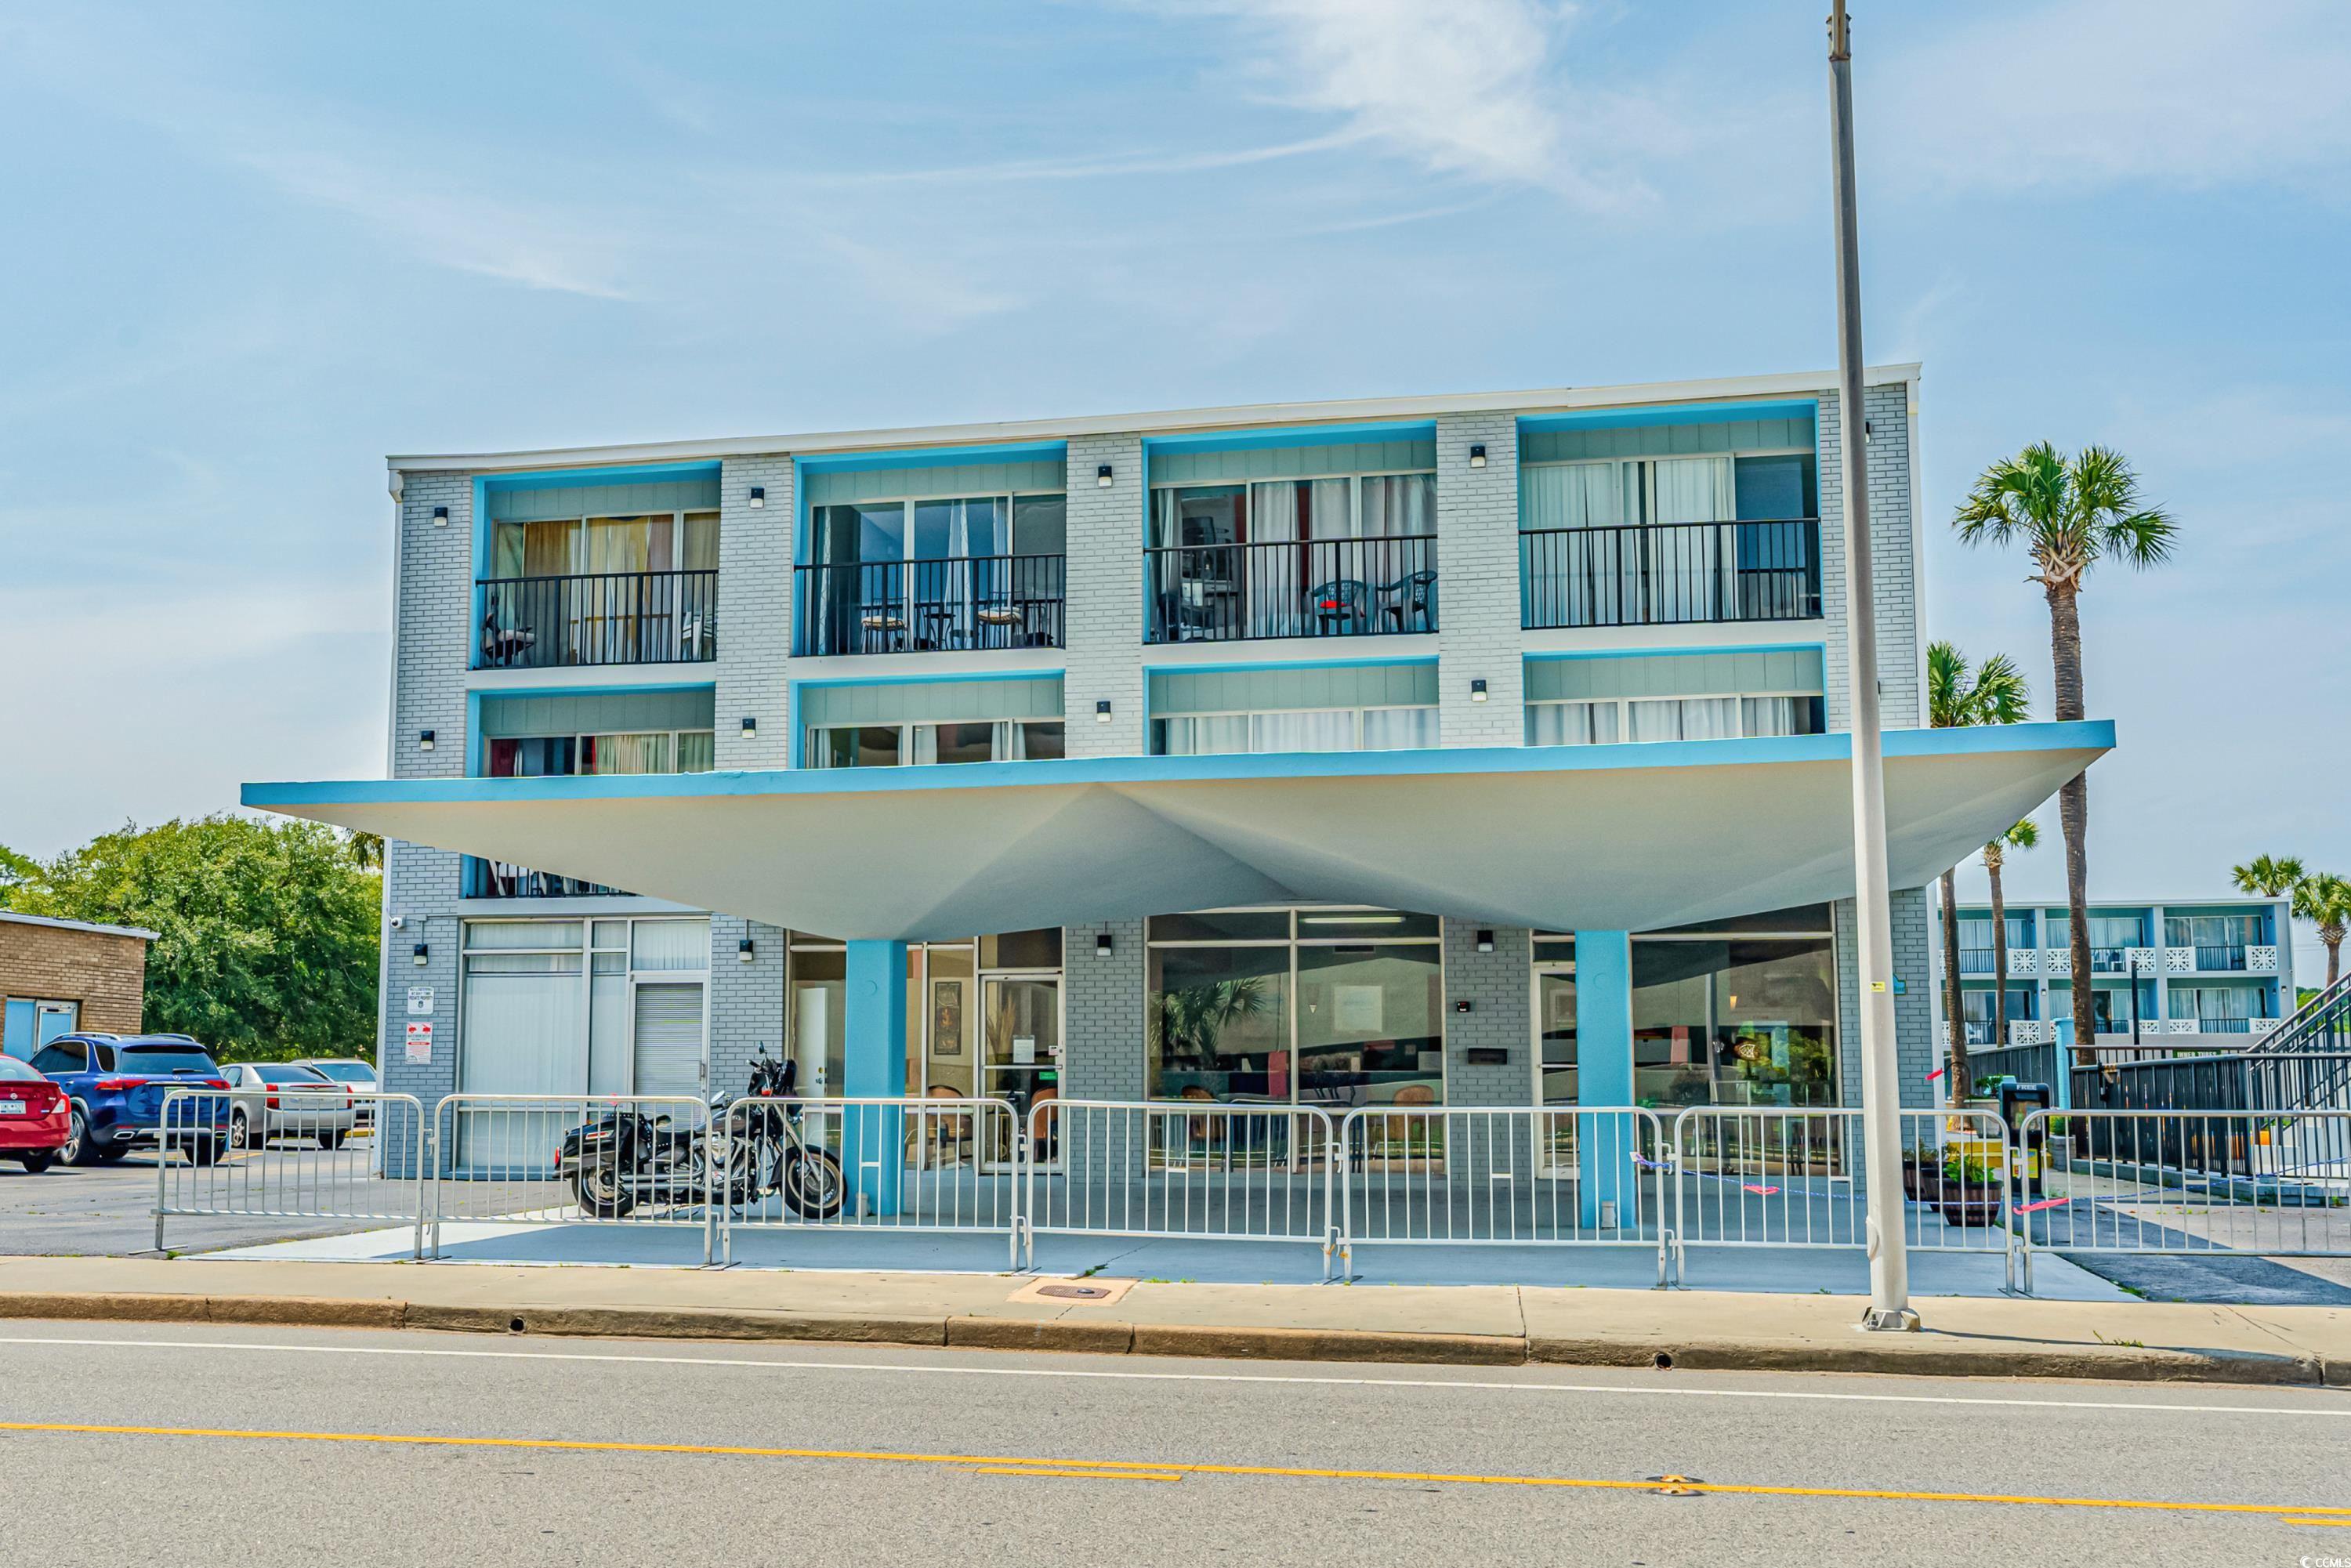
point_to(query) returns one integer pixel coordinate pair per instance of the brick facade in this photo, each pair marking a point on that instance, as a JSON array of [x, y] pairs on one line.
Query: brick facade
[[102, 970]]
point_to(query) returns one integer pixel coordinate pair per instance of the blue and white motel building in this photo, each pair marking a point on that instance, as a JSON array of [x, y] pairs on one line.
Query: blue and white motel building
[[1476, 749]]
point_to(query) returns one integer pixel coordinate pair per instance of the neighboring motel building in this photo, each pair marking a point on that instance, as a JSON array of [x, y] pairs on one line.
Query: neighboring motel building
[[2218, 969], [1476, 749], [58, 976]]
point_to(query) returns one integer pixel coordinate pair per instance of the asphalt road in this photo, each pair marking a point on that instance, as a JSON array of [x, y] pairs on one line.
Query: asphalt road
[[261, 1447]]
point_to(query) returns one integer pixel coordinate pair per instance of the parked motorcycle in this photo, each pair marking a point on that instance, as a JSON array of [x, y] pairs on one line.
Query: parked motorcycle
[[626, 1158]]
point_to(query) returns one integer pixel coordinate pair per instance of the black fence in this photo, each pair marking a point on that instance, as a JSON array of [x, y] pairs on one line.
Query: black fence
[[615, 618], [965, 604], [1301, 588], [1671, 574]]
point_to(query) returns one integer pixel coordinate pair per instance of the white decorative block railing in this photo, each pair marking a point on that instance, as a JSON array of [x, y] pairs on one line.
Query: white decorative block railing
[[2180, 1026], [2141, 960], [2023, 960], [2180, 960], [2262, 960], [2262, 1026], [2057, 962], [2024, 1032]]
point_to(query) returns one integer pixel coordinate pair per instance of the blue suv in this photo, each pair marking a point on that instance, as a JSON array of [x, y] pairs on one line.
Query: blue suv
[[117, 1083]]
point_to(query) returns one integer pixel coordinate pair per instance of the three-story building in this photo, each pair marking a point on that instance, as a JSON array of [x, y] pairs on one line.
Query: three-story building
[[1476, 749]]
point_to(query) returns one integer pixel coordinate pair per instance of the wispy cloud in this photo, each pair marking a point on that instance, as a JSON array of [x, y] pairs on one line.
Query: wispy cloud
[[2090, 92], [1469, 87]]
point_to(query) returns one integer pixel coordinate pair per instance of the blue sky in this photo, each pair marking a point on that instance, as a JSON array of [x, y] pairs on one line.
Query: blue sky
[[255, 248]]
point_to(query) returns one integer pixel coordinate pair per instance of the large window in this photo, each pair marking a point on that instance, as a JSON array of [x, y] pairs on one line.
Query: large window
[[897, 745], [1718, 718], [1294, 557], [1739, 1012], [938, 528], [637, 751], [1334, 1008], [594, 546], [1295, 729]]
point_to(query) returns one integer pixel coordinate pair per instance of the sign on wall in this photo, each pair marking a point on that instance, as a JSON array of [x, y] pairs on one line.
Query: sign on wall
[[420, 1042], [419, 1000]]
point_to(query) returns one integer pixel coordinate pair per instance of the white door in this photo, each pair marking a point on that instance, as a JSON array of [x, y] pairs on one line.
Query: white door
[[668, 1056]]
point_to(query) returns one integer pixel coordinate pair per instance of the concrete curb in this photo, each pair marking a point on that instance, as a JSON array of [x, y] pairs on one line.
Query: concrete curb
[[1924, 1356]]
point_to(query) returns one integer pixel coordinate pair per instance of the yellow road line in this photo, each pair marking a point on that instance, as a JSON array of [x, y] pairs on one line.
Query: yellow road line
[[2302, 1513], [1090, 1474]]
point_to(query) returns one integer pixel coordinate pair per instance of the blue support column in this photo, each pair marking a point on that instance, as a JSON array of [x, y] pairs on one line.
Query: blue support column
[[874, 1050], [1603, 1072]]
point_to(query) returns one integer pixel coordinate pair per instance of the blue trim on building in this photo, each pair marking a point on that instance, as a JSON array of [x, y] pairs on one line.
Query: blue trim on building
[[2093, 734], [931, 457], [1673, 413], [1554, 655], [1291, 435]]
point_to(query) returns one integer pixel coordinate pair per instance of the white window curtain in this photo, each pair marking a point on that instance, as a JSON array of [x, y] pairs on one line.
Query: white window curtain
[[1689, 569], [695, 751], [923, 749], [640, 753], [1571, 724], [1685, 718], [1574, 578], [1208, 735], [1399, 505], [524, 1033], [670, 944], [1768, 715], [1319, 730], [1399, 728]]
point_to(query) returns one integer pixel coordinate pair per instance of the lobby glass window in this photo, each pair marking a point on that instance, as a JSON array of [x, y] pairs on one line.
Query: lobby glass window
[[1735, 1019], [1332, 1008]]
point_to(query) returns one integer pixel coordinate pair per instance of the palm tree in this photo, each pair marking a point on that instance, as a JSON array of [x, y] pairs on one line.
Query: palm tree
[[2323, 899], [2070, 514], [2025, 835], [1957, 697], [2269, 876]]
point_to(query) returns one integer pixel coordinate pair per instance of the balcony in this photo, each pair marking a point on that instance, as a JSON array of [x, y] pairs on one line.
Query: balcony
[[962, 604], [496, 878], [615, 618], [1975, 960], [2216, 958], [1670, 574], [1291, 587]]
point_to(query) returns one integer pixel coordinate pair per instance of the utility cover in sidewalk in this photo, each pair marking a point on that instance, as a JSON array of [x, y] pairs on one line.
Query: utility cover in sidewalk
[[1093, 1293]]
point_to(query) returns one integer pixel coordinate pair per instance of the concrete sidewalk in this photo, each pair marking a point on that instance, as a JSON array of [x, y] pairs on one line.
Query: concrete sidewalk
[[1462, 1325]]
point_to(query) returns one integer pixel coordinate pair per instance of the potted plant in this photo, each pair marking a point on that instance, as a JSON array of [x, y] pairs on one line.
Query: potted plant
[[1969, 1190]]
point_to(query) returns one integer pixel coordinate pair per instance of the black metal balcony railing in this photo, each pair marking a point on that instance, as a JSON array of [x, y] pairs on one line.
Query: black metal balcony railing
[[1291, 587], [1976, 961], [2107, 961], [1670, 574], [615, 618], [498, 879], [965, 604]]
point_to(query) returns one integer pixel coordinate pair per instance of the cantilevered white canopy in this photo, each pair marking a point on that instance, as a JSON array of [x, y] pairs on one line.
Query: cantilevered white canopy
[[1630, 837]]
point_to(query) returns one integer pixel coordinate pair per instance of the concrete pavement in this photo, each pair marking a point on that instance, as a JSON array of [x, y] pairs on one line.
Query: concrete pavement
[[378, 1448], [1496, 1325]]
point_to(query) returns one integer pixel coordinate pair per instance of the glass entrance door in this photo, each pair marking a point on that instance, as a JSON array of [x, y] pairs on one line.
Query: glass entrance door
[[1556, 1077], [1020, 1057]]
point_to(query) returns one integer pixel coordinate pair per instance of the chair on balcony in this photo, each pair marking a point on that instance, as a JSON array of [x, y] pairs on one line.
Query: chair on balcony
[[1341, 606], [501, 645], [1409, 604], [884, 625]]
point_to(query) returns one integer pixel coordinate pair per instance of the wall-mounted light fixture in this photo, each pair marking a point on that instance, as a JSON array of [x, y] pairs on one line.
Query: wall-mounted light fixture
[[1101, 711], [750, 727], [758, 495], [440, 516], [421, 954], [1477, 690], [1485, 941], [424, 740], [1462, 1006], [1478, 456], [744, 949], [1103, 945], [1102, 476]]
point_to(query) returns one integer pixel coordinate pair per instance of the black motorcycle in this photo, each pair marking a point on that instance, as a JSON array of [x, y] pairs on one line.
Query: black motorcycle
[[626, 1158]]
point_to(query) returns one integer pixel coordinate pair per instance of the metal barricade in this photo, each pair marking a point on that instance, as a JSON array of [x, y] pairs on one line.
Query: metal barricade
[[1779, 1177], [2171, 1182], [870, 1164], [1193, 1170], [496, 1159], [1565, 1176], [282, 1153]]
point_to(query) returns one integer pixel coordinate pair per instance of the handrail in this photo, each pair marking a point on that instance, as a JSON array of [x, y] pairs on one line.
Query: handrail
[[1657, 574]]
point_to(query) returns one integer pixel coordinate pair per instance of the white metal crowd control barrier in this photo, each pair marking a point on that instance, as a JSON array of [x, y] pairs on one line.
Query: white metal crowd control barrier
[[1564, 1175], [2261, 1183], [871, 1164], [1195, 1170], [493, 1159], [1779, 1176], [340, 1154]]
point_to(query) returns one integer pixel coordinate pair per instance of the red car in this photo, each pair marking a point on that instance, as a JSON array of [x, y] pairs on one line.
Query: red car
[[35, 1116]]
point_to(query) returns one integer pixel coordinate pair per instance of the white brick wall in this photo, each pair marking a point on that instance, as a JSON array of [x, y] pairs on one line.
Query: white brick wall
[[1103, 620], [1477, 581], [1896, 573], [755, 606]]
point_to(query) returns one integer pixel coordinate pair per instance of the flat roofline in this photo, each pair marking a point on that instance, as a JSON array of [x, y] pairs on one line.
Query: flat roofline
[[13, 918], [1239, 416], [2096, 903]]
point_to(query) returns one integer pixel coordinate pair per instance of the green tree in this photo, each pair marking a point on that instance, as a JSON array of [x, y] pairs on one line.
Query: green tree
[[2069, 514], [1960, 695], [266, 934], [2323, 899], [2025, 835], [2268, 876], [14, 869]]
